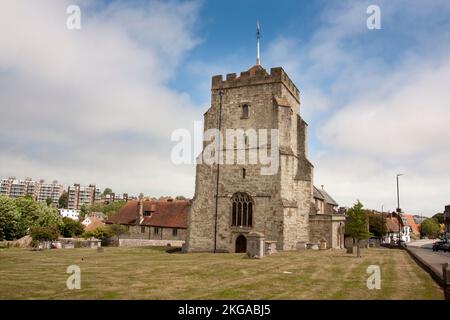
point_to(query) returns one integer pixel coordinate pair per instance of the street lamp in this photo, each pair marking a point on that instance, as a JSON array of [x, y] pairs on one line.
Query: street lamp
[[398, 209]]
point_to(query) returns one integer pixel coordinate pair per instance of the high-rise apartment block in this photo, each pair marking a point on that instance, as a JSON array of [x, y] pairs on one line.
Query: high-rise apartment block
[[79, 195], [39, 190]]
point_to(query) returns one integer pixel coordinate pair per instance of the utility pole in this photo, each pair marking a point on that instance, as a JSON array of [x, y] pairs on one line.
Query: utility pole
[[399, 211], [382, 223]]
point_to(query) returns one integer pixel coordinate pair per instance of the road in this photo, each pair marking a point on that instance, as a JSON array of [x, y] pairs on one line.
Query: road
[[423, 249]]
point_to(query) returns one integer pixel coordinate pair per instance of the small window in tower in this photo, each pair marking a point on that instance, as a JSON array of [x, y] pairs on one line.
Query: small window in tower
[[243, 173], [245, 111], [174, 232], [142, 229]]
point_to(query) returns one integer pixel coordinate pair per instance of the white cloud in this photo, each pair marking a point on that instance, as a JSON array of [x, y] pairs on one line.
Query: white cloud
[[378, 103], [93, 105]]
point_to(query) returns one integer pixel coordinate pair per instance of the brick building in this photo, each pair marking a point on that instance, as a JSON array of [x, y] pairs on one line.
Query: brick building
[[232, 200]]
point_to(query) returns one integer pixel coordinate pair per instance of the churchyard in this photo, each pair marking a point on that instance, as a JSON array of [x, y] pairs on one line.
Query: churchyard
[[152, 273]]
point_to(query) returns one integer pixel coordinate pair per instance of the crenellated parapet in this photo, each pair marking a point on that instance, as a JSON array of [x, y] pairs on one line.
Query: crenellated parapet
[[255, 76]]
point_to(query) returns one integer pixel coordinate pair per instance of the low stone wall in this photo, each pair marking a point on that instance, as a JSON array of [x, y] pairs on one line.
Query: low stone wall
[[146, 242]]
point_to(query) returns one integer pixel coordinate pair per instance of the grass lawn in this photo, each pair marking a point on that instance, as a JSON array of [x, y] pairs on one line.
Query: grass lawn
[[151, 273]]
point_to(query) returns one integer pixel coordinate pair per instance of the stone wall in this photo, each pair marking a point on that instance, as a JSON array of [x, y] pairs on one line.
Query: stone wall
[[146, 242], [154, 233], [329, 228]]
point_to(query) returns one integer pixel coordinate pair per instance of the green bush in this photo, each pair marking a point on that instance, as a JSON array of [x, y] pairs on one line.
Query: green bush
[[71, 228], [44, 233], [102, 234]]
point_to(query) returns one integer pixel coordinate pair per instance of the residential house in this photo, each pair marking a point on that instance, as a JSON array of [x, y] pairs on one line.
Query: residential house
[[92, 222], [414, 227], [70, 213], [153, 219], [397, 227]]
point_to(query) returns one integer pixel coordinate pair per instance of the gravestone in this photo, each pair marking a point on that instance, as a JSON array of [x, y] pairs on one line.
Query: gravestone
[[255, 245]]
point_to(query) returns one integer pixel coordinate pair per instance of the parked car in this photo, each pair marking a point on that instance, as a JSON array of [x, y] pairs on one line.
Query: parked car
[[443, 245], [402, 243]]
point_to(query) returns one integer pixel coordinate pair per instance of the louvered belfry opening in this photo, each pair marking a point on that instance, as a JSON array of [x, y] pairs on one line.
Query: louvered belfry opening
[[242, 212]]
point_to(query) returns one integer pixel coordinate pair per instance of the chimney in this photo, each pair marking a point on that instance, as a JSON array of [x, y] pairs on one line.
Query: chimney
[[140, 212], [322, 187]]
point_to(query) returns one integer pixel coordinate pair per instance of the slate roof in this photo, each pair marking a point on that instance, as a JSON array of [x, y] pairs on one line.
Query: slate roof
[[323, 195]]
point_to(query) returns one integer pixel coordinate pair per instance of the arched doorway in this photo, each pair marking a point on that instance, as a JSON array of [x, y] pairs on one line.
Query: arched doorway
[[241, 244]]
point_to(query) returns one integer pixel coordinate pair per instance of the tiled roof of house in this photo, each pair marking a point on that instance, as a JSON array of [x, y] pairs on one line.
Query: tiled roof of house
[[412, 223], [170, 214], [95, 223], [392, 224]]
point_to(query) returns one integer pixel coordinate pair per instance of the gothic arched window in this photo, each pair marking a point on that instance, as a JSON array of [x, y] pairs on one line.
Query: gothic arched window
[[242, 212]]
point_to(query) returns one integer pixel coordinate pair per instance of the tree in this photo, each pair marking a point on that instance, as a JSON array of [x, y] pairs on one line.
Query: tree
[[377, 224], [29, 212], [430, 228], [49, 201], [102, 234], [71, 228], [63, 200], [356, 225], [141, 196], [10, 228], [117, 229], [18, 216], [439, 217], [84, 211], [107, 191], [108, 209], [44, 233], [48, 217], [180, 198]]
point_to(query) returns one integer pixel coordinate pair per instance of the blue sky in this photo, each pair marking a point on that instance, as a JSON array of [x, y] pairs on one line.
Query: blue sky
[[98, 105]]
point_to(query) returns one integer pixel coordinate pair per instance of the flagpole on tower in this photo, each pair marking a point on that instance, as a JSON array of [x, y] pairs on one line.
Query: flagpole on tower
[[258, 61]]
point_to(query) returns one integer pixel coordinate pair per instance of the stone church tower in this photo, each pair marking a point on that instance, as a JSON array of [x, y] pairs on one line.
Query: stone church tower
[[277, 205]]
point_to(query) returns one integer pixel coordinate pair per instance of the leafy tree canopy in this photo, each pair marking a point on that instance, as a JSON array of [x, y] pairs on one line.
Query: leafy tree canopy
[[62, 202], [439, 217], [10, 227], [356, 224], [430, 228], [71, 228]]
